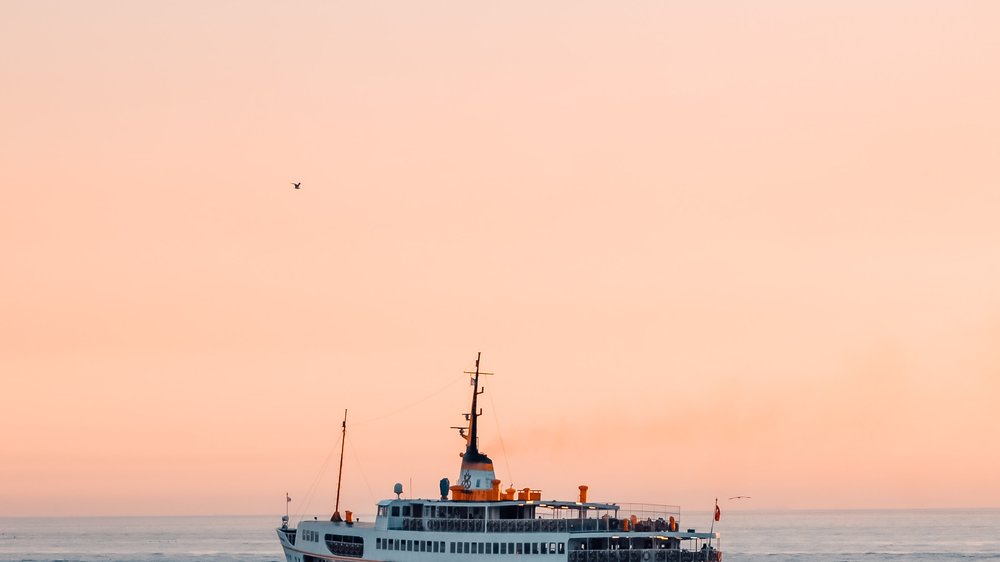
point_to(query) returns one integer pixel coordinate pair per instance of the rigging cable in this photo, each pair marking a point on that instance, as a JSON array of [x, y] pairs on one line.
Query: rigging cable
[[315, 483], [503, 448], [357, 459], [411, 404]]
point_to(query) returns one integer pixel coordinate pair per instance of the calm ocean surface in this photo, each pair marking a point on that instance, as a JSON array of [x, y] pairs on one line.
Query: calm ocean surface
[[773, 536]]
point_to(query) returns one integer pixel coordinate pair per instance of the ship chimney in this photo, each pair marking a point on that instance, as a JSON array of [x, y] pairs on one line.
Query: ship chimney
[[583, 493]]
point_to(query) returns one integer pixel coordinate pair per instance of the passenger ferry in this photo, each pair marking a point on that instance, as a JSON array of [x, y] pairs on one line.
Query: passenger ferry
[[482, 523]]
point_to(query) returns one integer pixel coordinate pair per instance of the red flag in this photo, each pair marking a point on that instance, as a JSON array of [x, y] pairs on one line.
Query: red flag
[[718, 512]]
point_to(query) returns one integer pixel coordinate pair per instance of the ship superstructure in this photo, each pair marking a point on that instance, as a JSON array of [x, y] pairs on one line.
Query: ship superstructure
[[480, 522]]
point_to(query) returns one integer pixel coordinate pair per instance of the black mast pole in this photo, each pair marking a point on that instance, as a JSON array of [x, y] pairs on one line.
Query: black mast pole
[[340, 472], [473, 445]]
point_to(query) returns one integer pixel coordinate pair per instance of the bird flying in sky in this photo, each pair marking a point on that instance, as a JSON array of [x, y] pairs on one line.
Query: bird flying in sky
[[296, 185]]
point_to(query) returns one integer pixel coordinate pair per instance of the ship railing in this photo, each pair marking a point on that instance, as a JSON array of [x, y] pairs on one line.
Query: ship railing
[[644, 555], [497, 525], [649, 517], [650, 521], [617, 524], [442, 524], [528, 525], [648, 511]]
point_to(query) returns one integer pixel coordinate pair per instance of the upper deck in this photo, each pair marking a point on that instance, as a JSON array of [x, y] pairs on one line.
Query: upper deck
[[526, 516]]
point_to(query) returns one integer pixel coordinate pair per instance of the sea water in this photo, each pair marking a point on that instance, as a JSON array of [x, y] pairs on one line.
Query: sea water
[[860, 536], [747, 536]]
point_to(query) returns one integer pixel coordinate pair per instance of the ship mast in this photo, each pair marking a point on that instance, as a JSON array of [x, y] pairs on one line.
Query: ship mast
[[476, 479], [340, 472], [473, 446]]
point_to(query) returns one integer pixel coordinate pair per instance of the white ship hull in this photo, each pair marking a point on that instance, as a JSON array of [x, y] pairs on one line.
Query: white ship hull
[[600, 538]]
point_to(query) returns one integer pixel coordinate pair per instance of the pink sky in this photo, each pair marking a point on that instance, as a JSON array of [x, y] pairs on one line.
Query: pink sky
[[709, 249]]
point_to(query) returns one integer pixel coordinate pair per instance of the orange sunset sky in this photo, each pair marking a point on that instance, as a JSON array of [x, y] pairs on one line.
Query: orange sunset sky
[[708, 248]]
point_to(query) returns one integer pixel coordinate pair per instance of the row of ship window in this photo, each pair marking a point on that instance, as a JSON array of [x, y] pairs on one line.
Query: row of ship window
[[471, 547]]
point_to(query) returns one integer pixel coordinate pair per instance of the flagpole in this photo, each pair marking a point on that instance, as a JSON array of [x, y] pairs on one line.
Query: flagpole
[[714, 511], [715, 517], [284, 520]]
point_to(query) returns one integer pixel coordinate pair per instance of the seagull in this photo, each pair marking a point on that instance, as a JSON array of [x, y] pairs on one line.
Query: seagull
[[296, 185], [739, 497]]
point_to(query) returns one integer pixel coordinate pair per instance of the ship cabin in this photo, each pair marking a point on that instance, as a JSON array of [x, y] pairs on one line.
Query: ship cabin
[[581, 531], [497, 516]]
